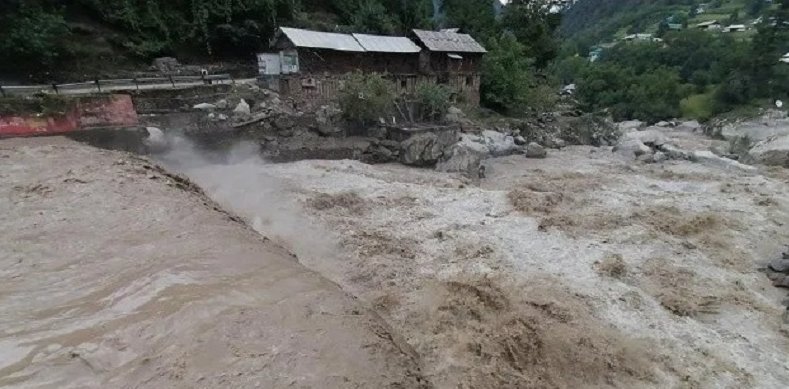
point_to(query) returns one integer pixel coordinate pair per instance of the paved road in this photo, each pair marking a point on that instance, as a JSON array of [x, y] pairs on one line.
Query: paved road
[[88, 88]]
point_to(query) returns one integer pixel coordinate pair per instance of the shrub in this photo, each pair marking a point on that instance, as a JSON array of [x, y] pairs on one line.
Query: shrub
[[366, 97], [433, 101], [700, 107], [32, 37]]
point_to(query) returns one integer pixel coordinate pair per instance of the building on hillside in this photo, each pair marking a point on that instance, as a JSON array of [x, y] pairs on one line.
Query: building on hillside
[[674, 26], [735, 28], [309, 65], [785, 58], [641, 38], [595, 54], [451, 58], [709, 25]]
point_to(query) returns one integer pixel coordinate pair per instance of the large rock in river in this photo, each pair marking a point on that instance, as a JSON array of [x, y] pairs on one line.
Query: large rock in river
[[773, 151]]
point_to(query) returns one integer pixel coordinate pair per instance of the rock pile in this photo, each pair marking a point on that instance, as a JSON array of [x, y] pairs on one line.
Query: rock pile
[[651, 146], [778, 272], [773, 151]]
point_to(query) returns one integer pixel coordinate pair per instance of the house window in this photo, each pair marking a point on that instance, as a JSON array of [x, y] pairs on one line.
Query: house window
[[404, 84], [469, 80]]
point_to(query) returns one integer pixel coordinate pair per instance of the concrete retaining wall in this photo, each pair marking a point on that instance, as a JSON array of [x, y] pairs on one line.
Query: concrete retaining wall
[[82, 114]]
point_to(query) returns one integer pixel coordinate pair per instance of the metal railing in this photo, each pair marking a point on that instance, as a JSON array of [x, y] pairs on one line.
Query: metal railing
[[124, 84]]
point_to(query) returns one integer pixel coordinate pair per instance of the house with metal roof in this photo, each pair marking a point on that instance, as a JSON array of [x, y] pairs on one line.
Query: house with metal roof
[[709, 25], [306, 51], [311, 63], [452, 58]]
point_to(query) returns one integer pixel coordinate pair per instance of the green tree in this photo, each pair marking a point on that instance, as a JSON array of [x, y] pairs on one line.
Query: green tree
[[32, 36], [508, 76], [534, 27]]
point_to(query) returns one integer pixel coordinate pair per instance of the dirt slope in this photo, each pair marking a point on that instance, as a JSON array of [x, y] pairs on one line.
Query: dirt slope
[[116, 275]]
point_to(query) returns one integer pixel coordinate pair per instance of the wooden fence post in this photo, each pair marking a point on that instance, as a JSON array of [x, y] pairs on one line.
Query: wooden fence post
[[55, 87], [171, 81], [2, 92], [98, 85]]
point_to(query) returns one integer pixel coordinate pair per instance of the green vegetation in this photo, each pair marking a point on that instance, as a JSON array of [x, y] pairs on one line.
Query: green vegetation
[[687, 72], [52, 36], [433, 101], [690, 72], [366, 97]]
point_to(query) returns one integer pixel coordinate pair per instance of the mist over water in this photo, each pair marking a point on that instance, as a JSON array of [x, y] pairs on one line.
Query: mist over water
[[241, 182]]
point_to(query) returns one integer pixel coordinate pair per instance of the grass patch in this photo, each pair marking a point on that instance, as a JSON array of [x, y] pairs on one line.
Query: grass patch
[[700, 107]]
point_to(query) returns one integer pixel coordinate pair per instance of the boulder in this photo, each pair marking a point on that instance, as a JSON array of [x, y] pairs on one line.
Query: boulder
[[652, 137], [455, 115], [632, 148], [662, 123], [780, 265], [520, 141], [284, 122], [690, 126], [674, 152], [205, 107], [721, 150], [464, 157], [534, 150], [242, 109], [421, 150], [553, 142], [773, 151], [709, 158], [772, 123], [629, 126], [498, 143], [329, 130], [221, 104]]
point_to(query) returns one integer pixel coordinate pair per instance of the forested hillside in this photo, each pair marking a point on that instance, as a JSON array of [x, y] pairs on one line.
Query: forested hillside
[[678, 70], [47, 32], [673, 68]]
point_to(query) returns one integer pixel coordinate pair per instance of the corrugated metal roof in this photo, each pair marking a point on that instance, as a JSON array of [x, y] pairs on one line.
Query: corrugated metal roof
[[322, 40], [449, 42], [387, 44]]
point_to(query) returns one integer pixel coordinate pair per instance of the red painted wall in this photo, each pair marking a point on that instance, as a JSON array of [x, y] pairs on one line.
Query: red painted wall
[[86, 113]]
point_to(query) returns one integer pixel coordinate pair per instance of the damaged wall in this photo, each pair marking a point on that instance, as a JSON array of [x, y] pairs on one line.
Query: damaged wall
[[80, 114]]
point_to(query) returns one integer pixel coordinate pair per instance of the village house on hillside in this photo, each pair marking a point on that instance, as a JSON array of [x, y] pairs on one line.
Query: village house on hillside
[[451, 58], [309, 65], [709, 25]]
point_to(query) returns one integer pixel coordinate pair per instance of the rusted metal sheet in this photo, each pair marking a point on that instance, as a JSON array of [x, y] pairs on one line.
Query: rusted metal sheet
[[84, 114], [450, 42]]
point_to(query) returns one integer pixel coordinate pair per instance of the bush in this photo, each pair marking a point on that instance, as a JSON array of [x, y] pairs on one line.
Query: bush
[[700, 107], [32, 37], [366, 97], [509, 84], [433, 101]]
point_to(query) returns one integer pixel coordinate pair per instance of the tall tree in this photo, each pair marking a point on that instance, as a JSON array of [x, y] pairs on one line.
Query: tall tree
[[534, 25]]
